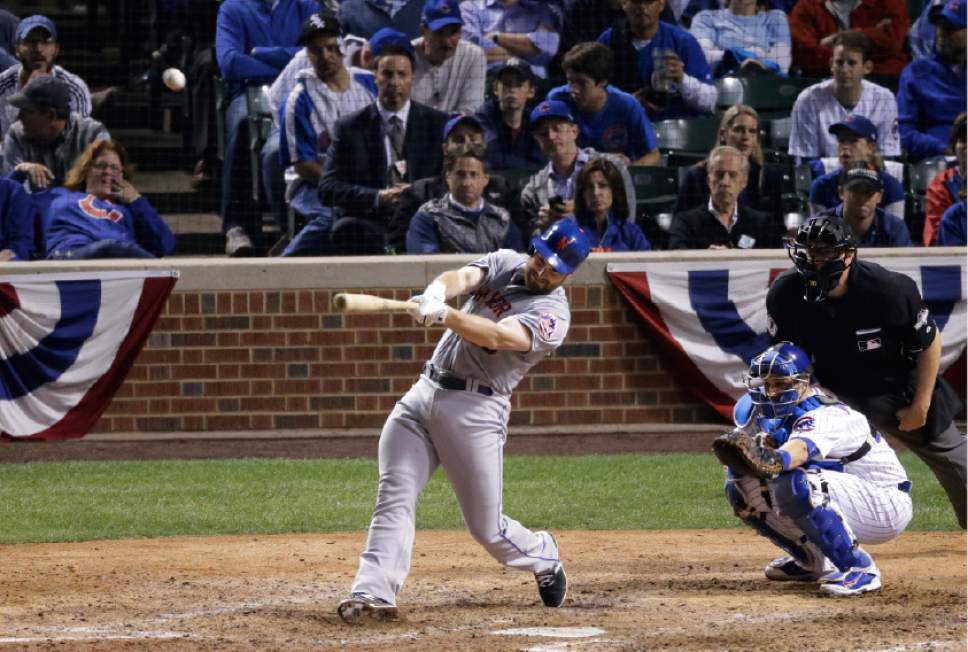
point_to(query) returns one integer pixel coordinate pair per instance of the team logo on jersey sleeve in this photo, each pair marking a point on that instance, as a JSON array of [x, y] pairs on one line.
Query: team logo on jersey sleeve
[[804, 424], [548, 325]]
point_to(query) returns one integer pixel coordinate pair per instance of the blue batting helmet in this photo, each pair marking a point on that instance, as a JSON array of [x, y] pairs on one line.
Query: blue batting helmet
[[788, 366], [563, 244]]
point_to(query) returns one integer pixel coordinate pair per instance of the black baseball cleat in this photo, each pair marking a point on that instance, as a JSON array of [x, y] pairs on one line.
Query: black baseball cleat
[[552, 585], [361, 606]]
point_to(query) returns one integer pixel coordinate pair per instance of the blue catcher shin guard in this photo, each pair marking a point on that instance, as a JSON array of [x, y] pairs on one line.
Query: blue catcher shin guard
[[758, 521], [822, 524]]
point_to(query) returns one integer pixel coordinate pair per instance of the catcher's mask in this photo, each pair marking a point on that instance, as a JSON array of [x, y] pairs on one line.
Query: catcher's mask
[[776, 378], [818, 251]]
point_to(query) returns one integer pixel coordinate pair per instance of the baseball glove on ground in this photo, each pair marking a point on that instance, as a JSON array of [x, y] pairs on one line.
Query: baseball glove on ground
[[746, 454]]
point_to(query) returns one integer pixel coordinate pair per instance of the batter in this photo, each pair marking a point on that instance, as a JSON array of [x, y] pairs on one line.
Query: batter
[[841, 485], [456, 415]]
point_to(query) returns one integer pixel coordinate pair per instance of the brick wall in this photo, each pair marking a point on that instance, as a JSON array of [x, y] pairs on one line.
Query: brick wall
[[281, 359]]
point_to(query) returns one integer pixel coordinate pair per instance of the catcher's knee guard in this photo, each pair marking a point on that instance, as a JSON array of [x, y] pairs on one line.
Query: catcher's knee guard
[[749, 499], [822, 524]]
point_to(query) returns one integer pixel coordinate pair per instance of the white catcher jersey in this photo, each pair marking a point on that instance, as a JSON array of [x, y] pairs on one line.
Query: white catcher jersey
[[817, 108], [503, 294], [836, 431]]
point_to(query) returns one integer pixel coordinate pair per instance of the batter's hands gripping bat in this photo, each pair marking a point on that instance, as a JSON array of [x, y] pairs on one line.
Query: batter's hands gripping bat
[[345, 302]]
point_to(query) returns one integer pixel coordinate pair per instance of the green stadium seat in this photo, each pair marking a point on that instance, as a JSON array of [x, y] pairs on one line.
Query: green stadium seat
[[260, 124], [517, 178], [773, 93], [917, 178], [731, 92], [690, 135], [656, 188], [778, 131]]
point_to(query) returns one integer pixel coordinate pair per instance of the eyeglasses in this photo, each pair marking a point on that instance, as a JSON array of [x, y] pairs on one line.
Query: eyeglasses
[[101, 167]]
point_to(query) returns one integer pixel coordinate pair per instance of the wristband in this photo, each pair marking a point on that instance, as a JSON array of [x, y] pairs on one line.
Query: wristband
[[785, 458]]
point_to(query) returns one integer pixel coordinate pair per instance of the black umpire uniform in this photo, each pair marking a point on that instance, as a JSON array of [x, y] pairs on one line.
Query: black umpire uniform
[[865, 346]]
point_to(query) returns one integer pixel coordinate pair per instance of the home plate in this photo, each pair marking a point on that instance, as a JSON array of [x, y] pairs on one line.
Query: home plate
[[552, 632]]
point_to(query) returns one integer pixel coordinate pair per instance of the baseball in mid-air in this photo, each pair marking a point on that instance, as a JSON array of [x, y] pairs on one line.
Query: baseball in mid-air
[[174, 79]]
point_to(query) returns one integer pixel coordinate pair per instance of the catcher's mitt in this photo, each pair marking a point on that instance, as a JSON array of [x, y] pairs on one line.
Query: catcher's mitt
[[746, 454]]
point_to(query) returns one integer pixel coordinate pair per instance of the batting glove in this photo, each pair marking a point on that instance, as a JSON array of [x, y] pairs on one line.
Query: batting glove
[[427, 312]]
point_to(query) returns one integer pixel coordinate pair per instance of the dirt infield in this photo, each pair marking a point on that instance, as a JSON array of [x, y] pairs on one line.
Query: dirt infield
[[651, 590]]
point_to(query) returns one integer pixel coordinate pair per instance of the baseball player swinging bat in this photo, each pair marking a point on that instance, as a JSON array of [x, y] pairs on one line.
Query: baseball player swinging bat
[[344, 302]]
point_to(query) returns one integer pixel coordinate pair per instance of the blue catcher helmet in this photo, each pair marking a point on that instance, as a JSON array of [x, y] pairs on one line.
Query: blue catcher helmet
[[563, 244], [776, 378]]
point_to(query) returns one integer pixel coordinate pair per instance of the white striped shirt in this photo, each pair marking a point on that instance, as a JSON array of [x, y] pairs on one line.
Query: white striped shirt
[[456, 85], [10, 84], [817, 108]]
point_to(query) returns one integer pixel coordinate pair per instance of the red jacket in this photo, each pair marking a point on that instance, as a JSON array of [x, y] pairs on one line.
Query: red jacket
[[941, 194], [811, 21]]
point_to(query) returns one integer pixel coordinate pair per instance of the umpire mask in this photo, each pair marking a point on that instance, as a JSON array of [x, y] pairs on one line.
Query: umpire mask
[[819, 252]]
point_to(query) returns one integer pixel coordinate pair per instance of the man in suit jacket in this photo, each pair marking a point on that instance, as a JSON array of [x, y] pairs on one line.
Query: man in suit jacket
[[377, 151], [724, 223]]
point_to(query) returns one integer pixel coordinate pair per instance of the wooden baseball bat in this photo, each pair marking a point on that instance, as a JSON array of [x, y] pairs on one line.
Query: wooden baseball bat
[[345, 302]]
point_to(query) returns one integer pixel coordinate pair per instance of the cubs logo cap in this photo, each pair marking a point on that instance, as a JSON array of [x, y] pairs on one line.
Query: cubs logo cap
[[324, 22], [856, 124], [389, 38], [441, 13], [952, 12], [563, 245], [551, 109], [42, 93], [31, 23], [860, 173]]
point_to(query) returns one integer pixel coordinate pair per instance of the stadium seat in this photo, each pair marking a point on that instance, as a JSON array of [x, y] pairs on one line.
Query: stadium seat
[[773, 95], [779, 133], [656, 188], [517, 178], [690, 135], [260, 124], [730, 91], [918, 177]]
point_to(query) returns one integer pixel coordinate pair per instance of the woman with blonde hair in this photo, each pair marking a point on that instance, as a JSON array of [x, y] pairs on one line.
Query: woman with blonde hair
[[739, 128], [100, 214]]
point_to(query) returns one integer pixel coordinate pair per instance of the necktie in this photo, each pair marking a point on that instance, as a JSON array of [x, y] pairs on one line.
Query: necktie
[[395, 134]]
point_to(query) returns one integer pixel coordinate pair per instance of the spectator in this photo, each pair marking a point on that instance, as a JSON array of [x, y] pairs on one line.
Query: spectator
[[17, 216], [860, 192], [8, 31], [932, 91], [461, 132], [36, 48], [725, 223], [609, 120], [744, 37], [739, 128], [42, 145], [99, 214], [856, 141], [253, 43], [815, 25], [366, 17], [921, 35], [600, 209], [549, 195], [461, 221], [954, 225], [510, 143], [378, 150], [201, 70], [947, 185], [323, 94], [661, 64], [450, 71], [846, 93], [526, 29]]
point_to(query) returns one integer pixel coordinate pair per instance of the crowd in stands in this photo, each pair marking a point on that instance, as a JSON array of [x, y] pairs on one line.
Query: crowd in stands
[[426, 126]]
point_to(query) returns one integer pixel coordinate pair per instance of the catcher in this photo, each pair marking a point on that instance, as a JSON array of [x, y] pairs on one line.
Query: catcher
[[810, 474]]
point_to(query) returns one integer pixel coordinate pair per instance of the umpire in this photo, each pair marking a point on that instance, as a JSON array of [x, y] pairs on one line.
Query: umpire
[[873, 344]]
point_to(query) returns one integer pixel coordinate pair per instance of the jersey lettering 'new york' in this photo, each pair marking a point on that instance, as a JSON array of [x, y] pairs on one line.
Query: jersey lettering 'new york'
[[503, 294]]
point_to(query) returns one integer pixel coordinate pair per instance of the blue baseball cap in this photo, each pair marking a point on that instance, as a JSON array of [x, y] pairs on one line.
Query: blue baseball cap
[[563, 245], [459, 119], [551, 109], [856, 124], [952, 12], [33, 22], [389, 37], [440, 13]]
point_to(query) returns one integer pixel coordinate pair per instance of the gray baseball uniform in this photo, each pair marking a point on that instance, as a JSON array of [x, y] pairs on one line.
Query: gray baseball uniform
[[464, 430]]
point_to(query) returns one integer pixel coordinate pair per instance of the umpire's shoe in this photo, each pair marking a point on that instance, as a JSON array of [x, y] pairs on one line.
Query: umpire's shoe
[[360, 606]]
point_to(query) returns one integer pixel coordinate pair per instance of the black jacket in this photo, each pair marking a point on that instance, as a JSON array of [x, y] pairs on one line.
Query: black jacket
[[698, 229]]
